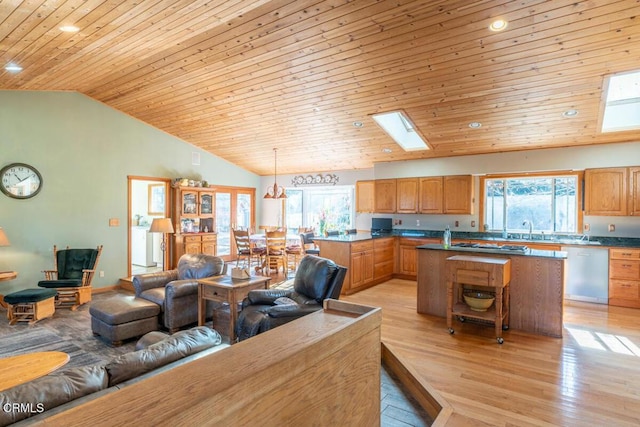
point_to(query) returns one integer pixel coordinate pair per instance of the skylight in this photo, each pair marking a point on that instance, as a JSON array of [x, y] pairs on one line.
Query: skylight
[[400, 128], [622, 107]]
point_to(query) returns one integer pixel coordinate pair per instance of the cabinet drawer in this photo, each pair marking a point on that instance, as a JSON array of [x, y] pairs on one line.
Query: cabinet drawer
[[626, 289], [624, 254], [624, 269], [192, 239], [215, 294], [209, 238], [383, 269], [383, 244], [367, 245]]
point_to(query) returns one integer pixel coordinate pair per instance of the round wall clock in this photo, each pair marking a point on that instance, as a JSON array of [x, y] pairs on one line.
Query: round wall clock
[[20, 181]]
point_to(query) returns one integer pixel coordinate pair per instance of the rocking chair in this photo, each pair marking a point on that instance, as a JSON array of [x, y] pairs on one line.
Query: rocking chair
[[73, 271]]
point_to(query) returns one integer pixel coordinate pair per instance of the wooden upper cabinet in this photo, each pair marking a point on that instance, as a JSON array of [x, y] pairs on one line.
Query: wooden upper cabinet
[[606, 191], [458, 194], [634, 191], [407, 195], [385, 196], [431, 198], [365, 196]]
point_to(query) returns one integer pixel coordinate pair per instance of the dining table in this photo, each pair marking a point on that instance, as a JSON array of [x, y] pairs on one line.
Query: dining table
[[260, 240]]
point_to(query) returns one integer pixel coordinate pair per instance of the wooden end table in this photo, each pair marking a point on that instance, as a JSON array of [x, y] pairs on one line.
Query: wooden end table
[[226, 289]]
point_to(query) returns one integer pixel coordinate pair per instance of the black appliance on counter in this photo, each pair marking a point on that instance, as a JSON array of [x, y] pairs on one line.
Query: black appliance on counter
[[381, 226]]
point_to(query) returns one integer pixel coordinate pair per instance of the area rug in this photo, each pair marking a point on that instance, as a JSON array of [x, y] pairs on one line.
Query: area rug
[[42, 339]]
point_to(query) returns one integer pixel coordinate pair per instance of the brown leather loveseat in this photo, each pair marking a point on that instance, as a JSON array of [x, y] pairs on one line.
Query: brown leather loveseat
[[75, 385]]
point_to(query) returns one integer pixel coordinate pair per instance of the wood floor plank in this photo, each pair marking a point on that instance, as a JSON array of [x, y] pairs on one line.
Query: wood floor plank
[[586, 378]]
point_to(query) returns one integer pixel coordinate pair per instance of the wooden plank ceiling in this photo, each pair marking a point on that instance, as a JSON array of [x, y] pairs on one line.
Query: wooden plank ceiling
[[240, 77]]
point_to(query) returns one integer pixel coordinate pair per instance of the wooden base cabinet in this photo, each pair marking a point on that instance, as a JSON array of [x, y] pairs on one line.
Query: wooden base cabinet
[[369, 262], [624, 277], [383, 258], [361, 265], [407, 265], [196, 243]]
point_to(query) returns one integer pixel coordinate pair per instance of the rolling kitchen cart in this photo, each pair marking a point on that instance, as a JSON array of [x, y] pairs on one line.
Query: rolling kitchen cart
[[480, 274]]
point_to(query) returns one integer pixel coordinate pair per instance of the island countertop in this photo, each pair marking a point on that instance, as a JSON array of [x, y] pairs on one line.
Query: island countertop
[[536, 287], [507, 250]]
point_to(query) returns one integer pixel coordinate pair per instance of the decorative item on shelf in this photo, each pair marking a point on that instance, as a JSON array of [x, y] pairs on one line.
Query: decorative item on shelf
[[319, 179], [275, 192]]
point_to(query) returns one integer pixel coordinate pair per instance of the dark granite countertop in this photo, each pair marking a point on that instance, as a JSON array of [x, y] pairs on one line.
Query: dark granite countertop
[[509, 250], [563, 240], [571, 240]]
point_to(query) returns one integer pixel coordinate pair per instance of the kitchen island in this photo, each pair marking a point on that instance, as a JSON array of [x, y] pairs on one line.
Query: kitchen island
[[369, 259], [537, 284]]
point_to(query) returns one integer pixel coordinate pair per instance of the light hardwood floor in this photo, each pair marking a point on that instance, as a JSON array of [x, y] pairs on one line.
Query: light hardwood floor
[[590, 377]]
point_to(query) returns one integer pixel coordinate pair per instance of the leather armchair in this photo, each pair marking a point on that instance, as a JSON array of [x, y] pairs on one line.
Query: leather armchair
[[176, 291], [263, 309]]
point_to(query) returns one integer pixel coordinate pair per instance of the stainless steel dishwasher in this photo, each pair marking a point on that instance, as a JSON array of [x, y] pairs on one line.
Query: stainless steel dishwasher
[[587, 274]]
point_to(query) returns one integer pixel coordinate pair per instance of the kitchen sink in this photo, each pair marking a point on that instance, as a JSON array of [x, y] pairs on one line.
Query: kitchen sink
[[501, 248]]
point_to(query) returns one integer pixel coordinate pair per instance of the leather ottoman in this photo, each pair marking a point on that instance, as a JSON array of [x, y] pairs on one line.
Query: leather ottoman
[[123, 317]]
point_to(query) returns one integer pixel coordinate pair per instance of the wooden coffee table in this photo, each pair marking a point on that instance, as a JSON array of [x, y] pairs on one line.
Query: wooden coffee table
[[225, 289], [15, 370]]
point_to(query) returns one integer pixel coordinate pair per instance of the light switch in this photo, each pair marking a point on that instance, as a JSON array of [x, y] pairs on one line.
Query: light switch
[[114, 222]]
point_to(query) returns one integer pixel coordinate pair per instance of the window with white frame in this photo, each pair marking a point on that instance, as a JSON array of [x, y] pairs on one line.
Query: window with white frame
[[323, 208], [548, 204]]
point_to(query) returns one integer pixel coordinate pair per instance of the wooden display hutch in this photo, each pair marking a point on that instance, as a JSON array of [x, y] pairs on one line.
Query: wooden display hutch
[[194, 221], [491, 275]]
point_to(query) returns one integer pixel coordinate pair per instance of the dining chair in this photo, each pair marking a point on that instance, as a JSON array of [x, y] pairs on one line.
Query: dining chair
[[276, 246], [308, 245], [351, 231], [332, 233], [246, 251]]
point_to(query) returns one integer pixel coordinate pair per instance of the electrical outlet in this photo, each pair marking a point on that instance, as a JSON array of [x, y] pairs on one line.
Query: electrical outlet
[[612, 227], [587, 227], [417, 223], [457, 223], [101, 273], [473, 224]]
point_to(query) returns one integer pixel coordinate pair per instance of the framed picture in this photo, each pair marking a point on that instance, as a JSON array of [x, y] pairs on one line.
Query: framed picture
[[156, 199]]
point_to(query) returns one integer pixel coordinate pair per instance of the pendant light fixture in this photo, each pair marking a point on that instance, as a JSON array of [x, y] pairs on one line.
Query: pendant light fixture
[[275, 192]]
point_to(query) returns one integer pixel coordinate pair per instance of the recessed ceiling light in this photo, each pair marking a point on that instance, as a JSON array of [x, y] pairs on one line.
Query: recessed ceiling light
[[570, 113], [475, 125], [69, 29], [13, 68], [498, 25], [358, 124], [386, 150]]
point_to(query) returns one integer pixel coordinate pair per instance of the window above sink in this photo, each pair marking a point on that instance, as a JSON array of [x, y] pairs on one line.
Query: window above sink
[[530, 204]]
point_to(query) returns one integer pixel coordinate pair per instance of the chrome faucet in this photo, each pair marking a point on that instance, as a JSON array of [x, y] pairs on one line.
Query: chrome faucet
[[527, 222]]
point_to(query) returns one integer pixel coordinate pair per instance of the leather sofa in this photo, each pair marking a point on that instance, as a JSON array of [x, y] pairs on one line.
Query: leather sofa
[[75, 385], [263, 309], [176, 291]]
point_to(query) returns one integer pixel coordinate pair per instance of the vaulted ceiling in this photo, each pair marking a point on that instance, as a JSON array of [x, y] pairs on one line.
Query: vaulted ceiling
[[239, 78]]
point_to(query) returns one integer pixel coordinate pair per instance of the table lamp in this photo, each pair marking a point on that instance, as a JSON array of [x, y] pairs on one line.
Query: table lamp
[[164, 226]]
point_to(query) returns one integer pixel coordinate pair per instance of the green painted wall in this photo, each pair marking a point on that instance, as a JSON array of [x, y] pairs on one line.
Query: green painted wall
[[84, 150]]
